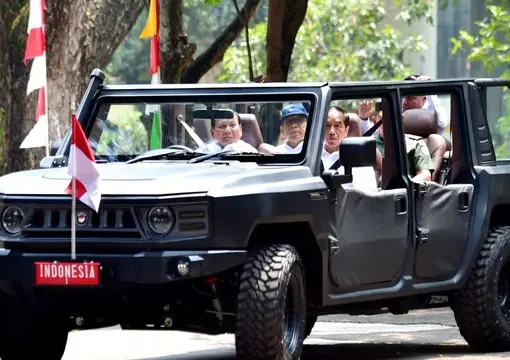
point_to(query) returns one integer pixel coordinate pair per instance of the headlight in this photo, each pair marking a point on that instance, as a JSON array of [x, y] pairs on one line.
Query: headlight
[[160, 219], [12, 219]]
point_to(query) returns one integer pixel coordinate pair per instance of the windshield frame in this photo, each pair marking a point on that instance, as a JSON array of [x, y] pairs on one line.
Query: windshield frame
[[216, 93]]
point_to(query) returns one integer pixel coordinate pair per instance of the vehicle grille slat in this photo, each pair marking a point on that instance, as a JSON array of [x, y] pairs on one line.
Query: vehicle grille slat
[[46, 223], [62, 223], [118, 218]]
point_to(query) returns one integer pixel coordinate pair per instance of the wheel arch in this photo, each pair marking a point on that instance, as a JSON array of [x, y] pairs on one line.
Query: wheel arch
[[499, 215], [301, 236]]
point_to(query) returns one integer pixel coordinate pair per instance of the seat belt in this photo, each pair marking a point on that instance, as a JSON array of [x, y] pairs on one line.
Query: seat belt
[[372, 130]]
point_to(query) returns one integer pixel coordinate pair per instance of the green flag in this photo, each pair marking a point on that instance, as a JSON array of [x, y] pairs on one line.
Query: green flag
[[155, 138]]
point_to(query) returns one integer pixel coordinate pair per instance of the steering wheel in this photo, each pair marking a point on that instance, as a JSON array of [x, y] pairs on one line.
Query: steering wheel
[[180, 147]]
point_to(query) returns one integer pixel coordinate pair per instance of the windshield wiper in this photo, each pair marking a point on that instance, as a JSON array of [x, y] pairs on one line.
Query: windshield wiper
[[161, 154], [224, 153]]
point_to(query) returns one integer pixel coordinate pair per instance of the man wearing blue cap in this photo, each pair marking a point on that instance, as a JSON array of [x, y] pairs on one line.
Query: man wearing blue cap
[[293, 127]]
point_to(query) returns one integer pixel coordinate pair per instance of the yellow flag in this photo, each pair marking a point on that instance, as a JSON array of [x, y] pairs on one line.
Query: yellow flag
[[151, 27]]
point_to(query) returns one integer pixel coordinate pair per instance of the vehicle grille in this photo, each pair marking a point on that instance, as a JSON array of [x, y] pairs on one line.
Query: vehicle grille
[[107, 223]]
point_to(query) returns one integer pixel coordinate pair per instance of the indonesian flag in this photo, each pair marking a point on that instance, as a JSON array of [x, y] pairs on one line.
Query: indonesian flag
[[82, 168], [151, 30], [36, 50]]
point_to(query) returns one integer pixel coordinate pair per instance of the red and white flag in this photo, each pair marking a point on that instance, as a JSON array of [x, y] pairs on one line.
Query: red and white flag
[[36, 50], [82, 167]]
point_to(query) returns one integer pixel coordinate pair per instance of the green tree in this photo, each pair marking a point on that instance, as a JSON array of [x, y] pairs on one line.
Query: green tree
[[80, 36], [338, 41], [201, 24], [491, 47]]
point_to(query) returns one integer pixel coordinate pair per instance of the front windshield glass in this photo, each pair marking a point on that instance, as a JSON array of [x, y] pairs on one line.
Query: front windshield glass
[[278, 129]]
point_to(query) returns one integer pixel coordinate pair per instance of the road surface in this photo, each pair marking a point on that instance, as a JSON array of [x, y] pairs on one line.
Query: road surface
[[428, 334]]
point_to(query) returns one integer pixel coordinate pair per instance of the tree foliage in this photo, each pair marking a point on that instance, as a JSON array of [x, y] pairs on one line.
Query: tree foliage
[[491, 46], [204, 21], [338, 41]]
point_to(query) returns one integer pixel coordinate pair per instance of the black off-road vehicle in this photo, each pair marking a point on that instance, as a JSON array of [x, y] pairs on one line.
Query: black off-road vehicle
[[258, 244]]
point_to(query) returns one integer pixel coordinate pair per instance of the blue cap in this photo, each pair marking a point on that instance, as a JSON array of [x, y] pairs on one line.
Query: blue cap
[[293, 109]]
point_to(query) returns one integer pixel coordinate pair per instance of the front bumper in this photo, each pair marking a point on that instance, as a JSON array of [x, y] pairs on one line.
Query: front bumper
[[144, 268]]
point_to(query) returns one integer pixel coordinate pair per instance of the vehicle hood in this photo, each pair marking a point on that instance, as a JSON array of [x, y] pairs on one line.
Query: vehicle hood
[[160, 178]]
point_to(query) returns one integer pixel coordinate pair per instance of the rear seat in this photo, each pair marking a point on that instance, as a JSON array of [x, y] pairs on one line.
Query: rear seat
[[423, 123]]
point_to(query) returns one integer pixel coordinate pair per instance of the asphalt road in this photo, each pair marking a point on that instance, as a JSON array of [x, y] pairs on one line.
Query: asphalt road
[[429, 334]]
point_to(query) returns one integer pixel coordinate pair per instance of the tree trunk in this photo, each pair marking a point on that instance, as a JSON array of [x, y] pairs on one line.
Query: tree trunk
[[284, 20], [176, 51], [80, 35], [214, 54], [177, 64]]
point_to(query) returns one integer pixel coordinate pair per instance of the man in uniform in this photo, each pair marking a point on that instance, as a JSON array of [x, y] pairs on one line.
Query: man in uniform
[[418, 155]]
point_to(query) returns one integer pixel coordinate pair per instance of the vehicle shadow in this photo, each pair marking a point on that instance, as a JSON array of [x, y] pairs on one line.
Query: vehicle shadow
[[345, 351]]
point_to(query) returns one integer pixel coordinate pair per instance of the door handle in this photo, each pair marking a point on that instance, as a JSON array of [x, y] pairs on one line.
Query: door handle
[[463, 201], [400, 204]]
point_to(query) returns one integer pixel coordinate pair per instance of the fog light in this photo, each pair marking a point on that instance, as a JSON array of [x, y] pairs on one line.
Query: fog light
[[183, 267]]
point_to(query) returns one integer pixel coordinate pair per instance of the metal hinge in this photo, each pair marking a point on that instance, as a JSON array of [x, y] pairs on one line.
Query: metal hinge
[[421, 189], [422, 236], [59, 161]]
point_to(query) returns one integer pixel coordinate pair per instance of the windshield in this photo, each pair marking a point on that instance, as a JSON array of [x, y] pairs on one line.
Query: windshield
[[124, 131]]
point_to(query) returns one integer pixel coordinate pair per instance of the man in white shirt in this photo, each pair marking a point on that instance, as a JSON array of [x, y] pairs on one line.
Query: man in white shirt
[[337, 128], [227, 135], [292, 127]]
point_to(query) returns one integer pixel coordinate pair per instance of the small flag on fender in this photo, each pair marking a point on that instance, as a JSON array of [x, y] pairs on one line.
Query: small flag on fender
[[82, 168]]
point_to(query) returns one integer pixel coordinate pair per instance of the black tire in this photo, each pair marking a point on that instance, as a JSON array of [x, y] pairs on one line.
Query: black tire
[[482, 307], [271, 306], [310, 323], [24, 335]]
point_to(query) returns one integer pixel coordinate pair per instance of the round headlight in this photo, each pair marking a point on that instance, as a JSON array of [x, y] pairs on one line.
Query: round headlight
[[160, 219], [12, 219]]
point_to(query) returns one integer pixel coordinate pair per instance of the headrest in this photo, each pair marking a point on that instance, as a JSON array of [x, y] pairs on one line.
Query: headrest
[[354, 125], [251, 130], [420, 122]]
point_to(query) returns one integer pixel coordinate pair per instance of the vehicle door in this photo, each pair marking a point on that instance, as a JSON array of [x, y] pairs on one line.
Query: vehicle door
[[443, 207], [372, 228]]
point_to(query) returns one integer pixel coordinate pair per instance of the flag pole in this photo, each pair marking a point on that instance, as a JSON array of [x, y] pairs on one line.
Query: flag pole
[[47, 118], [73, 198], [73, 222]]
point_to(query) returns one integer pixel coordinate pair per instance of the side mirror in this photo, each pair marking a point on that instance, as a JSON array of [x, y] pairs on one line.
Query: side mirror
[[354, 152], [46, 162], [357, 152]]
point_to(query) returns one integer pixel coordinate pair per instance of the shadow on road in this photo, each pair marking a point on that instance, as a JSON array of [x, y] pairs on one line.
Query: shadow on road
[[344, 351]]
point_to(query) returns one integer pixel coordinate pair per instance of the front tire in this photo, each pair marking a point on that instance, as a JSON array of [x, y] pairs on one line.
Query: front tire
[[33, 338], [271, 306], [482, 307]]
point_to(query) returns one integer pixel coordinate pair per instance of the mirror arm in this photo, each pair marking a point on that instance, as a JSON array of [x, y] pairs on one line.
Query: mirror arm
[[334, 180]]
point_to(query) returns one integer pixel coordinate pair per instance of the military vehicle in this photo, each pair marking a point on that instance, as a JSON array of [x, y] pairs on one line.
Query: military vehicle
[[258, 244]]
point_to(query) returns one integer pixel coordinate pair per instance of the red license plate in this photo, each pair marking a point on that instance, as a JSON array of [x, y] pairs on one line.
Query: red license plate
[[67, 274]]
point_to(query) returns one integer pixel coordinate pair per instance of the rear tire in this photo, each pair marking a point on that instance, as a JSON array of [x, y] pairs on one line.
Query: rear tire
[[482, 307], [271, 306]]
